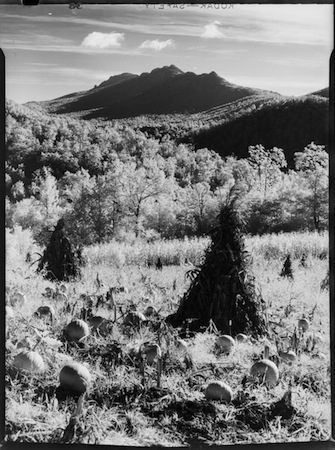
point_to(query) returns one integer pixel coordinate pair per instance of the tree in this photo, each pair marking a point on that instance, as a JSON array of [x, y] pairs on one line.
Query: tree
[[264, 216], [208, 169], [137, 185], [18, 190], [45, 189], [199, 201], [222, 290], [161, 212], [185, 165], [312, 167], [91, 211], [268, 165]]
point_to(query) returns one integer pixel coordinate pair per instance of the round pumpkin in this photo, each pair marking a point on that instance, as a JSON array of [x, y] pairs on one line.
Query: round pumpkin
[[303, 325], [134, 318], [29, 361], [150, 352], [76, 330], [288, 356], [61, 297], [225, 343], [63, 288], [88, 300], [75, 377], [150, 311], [241, 337], [19, 298], [50, 292], [45, 311], [267, 369], [96, 321], [218, 390]]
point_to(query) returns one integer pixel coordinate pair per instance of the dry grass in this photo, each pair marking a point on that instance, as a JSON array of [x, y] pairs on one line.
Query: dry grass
[[119, 410]]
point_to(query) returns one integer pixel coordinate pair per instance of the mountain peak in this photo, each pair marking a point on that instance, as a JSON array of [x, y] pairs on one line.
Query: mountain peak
[[167, 70], [175, 70], [214, 76]]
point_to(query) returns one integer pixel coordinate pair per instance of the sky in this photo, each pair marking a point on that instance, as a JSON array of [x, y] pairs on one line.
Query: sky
[[52, 50]]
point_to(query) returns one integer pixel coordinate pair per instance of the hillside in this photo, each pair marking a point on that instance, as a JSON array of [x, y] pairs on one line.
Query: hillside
[[288, 123], [166, 90], [269, 119], [321, 93]]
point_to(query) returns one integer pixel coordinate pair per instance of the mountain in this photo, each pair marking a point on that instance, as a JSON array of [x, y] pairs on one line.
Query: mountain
[[166, 90], [116, 79], [321, 93]]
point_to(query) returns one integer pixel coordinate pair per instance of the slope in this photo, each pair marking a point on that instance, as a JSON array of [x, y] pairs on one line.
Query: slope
[[290, 123]]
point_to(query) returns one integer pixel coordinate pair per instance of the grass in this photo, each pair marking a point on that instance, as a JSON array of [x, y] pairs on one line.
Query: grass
[[277, 246], [119, 409]]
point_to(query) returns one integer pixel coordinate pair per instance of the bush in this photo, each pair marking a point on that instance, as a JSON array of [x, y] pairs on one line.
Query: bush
[[18, 243]]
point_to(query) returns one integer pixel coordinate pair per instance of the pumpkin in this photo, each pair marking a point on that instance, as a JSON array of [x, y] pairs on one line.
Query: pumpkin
[[240, 337], [88, 300], [218, 390], [319, 355], [97, 322], [76, 330], [29, 361], [45, 311], [50, 292], [303, 324], [267, 369], [288, 356], [19, 298], [225, 343], [63, 288], [61, 297], [150, 352], [150, 311], [75, 377], [134, 318]]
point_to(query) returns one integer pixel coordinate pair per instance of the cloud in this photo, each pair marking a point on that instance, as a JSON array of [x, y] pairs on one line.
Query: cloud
[[103, 40], [157, 45], [212, 31]]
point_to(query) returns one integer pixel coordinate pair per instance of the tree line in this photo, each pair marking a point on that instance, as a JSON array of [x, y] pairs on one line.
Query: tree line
[[109, 180]]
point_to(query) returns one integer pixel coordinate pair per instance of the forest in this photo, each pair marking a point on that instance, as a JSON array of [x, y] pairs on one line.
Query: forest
[[110, 180], [286, 122]]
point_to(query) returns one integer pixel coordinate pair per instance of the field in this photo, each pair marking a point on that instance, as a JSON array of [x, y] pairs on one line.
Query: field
[[121, 409]]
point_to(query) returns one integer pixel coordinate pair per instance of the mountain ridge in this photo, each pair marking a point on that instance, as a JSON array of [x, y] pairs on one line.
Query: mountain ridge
[[165, 90]]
